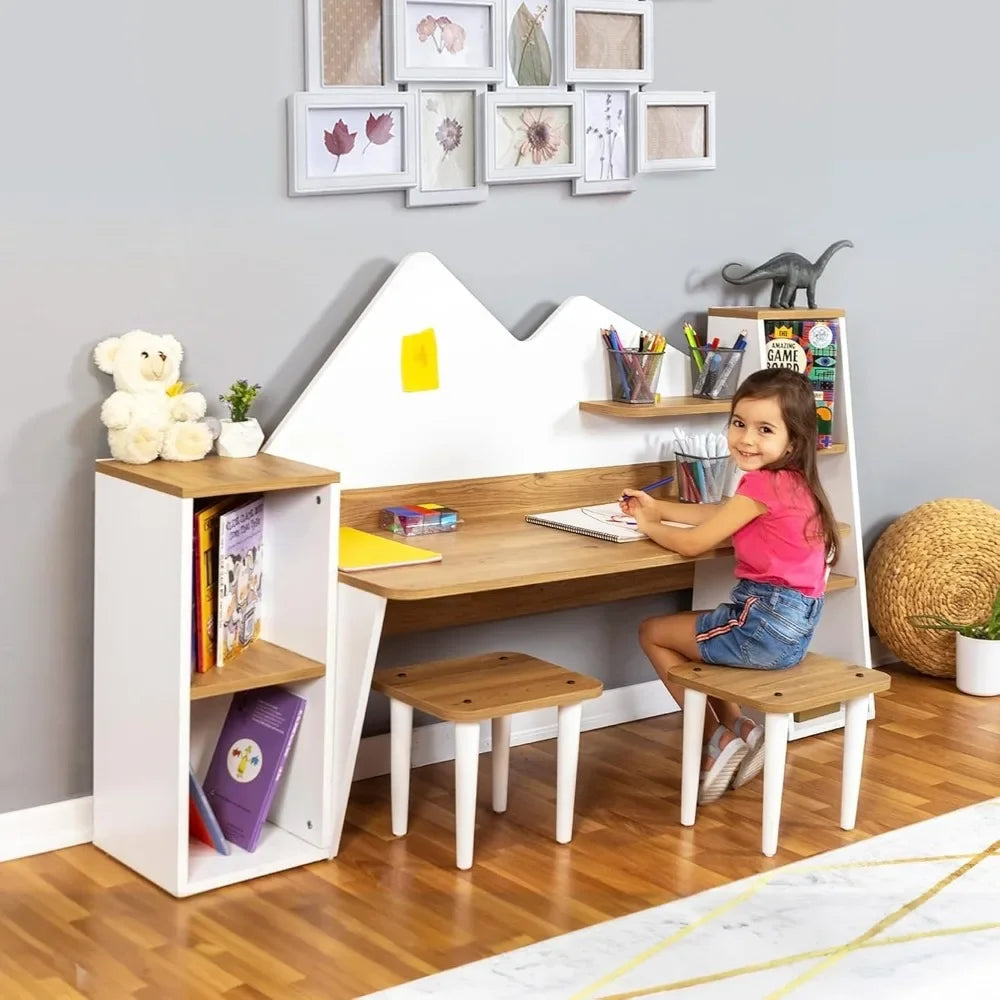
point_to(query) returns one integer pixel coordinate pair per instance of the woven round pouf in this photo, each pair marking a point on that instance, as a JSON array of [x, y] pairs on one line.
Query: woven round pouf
[[942, 558]]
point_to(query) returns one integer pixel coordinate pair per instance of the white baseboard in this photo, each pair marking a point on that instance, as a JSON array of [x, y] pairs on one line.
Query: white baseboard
[[46, 828], [436, 742], [881, 653]]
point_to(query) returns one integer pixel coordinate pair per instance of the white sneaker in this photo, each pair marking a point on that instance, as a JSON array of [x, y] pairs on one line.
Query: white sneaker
[[725, 761], [753, 763]]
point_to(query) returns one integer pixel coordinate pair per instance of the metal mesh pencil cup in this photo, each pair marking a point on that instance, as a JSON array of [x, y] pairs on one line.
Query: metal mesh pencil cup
[[701, 479], [715, 372], [634, 375]]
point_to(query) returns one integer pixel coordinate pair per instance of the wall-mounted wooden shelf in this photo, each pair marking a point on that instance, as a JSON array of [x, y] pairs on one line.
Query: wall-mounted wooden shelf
[[261, 664], [670, 406]]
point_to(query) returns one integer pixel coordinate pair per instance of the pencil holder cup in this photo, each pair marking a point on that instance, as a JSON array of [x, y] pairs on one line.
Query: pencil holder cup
[[701, 479], [715, 372], [634, 375]]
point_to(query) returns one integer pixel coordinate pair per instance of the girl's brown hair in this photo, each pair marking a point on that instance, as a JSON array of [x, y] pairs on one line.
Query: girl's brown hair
[[794, 394]]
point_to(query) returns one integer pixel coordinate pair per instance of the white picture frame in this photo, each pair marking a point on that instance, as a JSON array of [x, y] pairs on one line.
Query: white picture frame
[[557, 109], [613, 144], [312, 115], [321, 35], [551, 23], [577, 50], [650, 148], [439, 138], [441, 54]]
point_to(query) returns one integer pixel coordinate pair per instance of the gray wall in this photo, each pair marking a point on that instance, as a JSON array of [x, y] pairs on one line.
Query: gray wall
[[142, 183]]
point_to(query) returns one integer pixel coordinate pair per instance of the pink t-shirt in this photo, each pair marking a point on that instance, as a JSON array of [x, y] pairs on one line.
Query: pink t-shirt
[[774, 548]]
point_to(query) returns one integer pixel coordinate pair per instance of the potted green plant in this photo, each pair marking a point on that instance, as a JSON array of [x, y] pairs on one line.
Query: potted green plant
[[977, 650], [240, 435]]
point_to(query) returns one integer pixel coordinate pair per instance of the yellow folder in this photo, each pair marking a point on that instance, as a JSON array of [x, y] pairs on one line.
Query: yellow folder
[[361, 550]]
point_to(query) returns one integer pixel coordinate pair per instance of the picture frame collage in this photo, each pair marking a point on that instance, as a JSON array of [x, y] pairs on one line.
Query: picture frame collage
[[444, 98]]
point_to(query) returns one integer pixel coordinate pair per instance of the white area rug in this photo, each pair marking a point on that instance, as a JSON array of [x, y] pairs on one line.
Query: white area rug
[[911, 913]]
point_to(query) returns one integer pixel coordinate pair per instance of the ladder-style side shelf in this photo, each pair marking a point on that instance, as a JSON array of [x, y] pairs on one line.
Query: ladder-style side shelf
[[843, 628]]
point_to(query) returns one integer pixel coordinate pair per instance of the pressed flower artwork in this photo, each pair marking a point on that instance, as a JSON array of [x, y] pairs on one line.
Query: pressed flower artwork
[[447, 139], [606, 138], [354, 141], [531, 44], [448, 36], [533, 136]]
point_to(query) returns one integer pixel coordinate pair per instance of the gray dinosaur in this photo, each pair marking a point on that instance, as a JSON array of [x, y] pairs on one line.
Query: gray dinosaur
[[788, 273]]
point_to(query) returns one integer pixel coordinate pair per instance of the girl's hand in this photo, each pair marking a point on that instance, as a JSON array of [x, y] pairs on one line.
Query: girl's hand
[[639, 505]]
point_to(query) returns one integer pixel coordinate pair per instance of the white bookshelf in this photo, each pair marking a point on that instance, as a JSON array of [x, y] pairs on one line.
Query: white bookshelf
[[154, 717]]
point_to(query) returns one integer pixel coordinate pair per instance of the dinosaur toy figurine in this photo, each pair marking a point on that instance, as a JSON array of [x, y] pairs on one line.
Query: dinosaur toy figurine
[[788, 273]]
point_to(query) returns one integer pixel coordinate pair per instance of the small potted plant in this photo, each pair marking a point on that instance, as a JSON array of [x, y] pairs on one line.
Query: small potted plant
[[977, 650], [240, 435]]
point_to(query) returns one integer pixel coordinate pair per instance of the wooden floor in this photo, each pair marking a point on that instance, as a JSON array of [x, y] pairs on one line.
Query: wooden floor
[[75, 923]]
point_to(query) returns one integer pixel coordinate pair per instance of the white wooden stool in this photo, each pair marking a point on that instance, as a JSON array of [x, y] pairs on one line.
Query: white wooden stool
[[815, 682], [464, 691]]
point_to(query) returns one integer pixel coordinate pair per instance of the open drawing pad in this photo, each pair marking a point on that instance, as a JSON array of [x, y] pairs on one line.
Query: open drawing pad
[[604, 521]]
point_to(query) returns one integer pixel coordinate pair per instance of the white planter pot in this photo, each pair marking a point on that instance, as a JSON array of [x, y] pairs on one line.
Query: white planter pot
[[239, 440], [977, 665]]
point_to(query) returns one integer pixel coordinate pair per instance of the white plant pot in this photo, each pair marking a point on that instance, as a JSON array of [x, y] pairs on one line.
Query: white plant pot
[[239, 440], [977, 665]]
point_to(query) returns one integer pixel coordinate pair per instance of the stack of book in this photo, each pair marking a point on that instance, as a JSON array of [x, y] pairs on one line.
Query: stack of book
[[228, 563]]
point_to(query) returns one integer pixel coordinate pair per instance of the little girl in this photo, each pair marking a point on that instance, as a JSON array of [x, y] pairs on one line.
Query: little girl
[[784, 536]]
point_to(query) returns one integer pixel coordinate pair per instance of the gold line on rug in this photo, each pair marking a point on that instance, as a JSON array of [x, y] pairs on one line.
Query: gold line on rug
[[844, 950], [777, 963], [588, 992]]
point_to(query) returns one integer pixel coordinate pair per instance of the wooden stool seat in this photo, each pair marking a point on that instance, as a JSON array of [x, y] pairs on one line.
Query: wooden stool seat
[[472, 688], [465, 691], [815, 682]]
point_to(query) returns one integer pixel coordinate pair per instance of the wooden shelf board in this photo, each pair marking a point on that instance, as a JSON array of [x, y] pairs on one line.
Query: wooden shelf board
[[261, 664], [215, 476], [765, 312], [277, 851], [834, 449], [838, 581], [668, 406]]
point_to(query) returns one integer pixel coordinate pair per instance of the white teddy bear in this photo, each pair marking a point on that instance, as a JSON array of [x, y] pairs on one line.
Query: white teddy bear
[[149, 414]]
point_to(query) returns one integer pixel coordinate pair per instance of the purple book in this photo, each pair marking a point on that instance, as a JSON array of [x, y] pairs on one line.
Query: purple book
[[248, 760]]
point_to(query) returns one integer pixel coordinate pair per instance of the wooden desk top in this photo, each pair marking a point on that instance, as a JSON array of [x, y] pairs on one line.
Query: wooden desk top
[[494, 553]]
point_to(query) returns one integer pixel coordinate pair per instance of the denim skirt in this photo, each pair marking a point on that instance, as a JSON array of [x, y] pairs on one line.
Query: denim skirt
[[761, 627]]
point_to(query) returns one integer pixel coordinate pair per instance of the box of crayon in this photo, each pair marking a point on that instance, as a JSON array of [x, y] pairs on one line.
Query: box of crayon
[[808, 346], [418, 519]]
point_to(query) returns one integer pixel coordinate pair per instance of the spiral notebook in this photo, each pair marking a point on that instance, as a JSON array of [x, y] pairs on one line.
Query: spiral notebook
[[604, 521]]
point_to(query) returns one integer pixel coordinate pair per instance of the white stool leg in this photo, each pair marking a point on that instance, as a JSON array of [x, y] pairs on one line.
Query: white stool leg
[[691, 752], [568, 751], [501, 761], [855, 730], [466, 774], [775, 745], [401, 729]]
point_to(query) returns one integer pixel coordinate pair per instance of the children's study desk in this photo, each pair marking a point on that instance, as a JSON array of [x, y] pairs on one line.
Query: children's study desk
[[429, 388], [495, 566]]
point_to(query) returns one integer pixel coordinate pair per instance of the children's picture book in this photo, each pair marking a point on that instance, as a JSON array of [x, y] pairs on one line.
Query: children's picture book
[[810, 347], [206, 585], [360, 550], [202, 823], [239, 568], [249, 759]]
